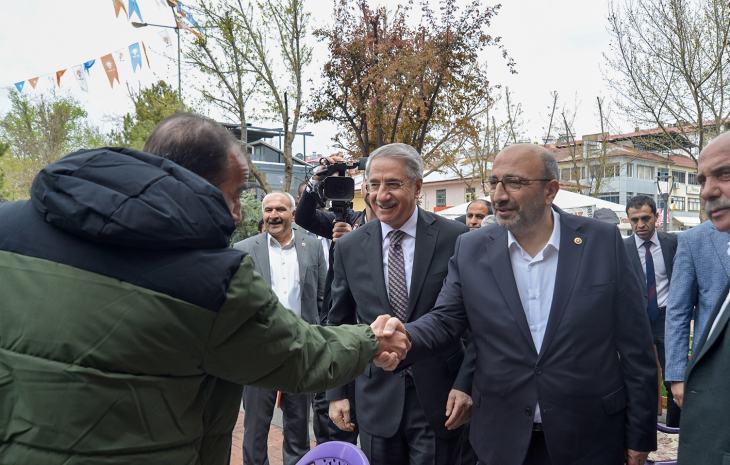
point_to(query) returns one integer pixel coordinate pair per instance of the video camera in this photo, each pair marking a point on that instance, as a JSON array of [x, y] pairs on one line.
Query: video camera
[[338, 188]]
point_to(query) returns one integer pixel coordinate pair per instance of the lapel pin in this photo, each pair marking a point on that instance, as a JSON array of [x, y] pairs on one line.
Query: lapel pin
[[578, 241], [304, 244]]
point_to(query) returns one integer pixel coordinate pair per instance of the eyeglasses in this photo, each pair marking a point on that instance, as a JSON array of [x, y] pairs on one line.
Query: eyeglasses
[[512, 183], [390, 186]]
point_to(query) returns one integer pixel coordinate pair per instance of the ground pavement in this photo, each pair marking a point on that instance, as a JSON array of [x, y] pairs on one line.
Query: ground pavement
[[276, 436]]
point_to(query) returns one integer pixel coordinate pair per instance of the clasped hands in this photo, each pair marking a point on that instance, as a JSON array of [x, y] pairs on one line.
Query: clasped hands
[[394, 342]]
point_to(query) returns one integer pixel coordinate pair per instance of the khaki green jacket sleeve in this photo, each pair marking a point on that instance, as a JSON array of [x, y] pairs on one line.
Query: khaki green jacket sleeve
[[255, 341]]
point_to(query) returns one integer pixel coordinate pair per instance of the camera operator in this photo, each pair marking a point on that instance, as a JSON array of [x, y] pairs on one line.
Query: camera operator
[[322, 223]]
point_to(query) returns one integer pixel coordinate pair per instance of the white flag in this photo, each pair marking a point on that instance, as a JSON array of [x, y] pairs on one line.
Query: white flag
[[165, 38], [81, 77]]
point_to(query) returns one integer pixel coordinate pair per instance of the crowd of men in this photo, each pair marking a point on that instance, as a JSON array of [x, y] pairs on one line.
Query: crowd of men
[[519, 335]]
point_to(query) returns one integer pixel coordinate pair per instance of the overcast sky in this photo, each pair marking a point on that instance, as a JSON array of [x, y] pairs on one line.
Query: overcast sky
[[557, 46]]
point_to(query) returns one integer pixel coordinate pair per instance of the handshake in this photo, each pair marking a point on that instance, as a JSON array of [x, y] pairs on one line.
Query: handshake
[[394, 342]]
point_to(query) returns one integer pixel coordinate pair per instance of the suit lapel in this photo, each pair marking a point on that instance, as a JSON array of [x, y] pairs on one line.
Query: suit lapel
[[501, 265], [426, 236], [720, 242], [261, 253], [569, 258], [302, 255], [373, 248], [705, 342], [668, 253], [633, 252]]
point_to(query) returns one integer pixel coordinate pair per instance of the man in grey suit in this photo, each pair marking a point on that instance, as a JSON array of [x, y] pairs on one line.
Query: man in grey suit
[[705, 436], [293, 263], [396, 266], [703, 268], [652, 254]]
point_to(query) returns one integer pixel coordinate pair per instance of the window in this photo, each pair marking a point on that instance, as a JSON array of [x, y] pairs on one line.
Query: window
[[662, 173], [609, 197], [565, 174], [441, 198], [469, 194], [594, 171], [678, 203], [612, 170], [693, 204], [630, 170], [679, 176], [629, 195], [644, 172], [693, 179]]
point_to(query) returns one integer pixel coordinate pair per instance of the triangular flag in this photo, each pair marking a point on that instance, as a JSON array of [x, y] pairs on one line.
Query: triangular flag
[[136, 56], [58, 76], [111, 69], [184, 25], [33, 81], [118, 5], [88, 65], [165, 38], [81, 77], [121, 55], [19, 86], [188, 23], [134, 8], [144, 49]]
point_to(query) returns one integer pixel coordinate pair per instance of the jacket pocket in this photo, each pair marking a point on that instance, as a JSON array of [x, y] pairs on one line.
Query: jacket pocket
[[436, 277], [615, 402], [596, 289]]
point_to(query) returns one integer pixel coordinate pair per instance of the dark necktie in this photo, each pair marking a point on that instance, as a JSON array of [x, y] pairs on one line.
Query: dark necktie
[[653, 308], [397, 287]]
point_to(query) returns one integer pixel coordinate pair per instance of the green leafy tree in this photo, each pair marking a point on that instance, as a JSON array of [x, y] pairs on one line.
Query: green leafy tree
[[250, 216], [3, 193], [39, 130], [151, 105]]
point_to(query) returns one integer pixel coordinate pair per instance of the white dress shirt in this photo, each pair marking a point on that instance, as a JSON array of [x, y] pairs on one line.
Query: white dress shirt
[[660, 269], [408, 245], [284, 266], [722, 309], [535, 279]]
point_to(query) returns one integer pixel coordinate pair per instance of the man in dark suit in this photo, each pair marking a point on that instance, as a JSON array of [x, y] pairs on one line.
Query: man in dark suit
[[652, 255], [293, 264], [565, 368], [705, 436], [397, 266]]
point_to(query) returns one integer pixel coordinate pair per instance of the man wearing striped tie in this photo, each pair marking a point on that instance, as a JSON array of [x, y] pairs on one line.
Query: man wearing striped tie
[[652, 256]]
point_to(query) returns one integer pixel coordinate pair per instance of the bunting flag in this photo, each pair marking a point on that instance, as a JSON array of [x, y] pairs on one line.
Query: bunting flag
[[88, 65], [168, 2], [134, 8], [58, 76], [81, 77], [111, 69], [144, 49], [19, 86], [121, 55], [136, 56], [118, 5], [165, 37], [33, 82], [187, 21]]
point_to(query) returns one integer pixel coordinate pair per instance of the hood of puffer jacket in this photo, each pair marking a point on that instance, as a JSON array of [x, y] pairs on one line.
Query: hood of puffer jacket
[[125, 197]]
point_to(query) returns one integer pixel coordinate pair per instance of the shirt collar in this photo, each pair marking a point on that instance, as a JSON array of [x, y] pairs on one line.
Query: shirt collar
[[640, 242], [409, 227], [274, 243], [554, 240]]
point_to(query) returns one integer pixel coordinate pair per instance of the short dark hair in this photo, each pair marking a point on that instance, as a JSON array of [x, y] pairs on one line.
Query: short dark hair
[[302, 185], [194, 142], [639, 201], [486, 202]]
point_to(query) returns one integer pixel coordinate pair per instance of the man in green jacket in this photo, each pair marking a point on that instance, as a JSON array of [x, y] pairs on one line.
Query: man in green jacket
[[127, 324]]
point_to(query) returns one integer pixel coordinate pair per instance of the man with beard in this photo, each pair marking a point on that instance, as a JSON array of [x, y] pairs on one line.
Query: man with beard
[[293, 263], [397, 266], [565, 368], [705, 437], [476, 211]]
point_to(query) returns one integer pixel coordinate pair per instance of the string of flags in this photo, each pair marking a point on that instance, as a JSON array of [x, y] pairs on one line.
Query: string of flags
[[133, 53], [183, 18]]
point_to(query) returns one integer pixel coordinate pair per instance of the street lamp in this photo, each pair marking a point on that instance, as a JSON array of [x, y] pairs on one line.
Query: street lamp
[[177, 31], [665, 196]]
